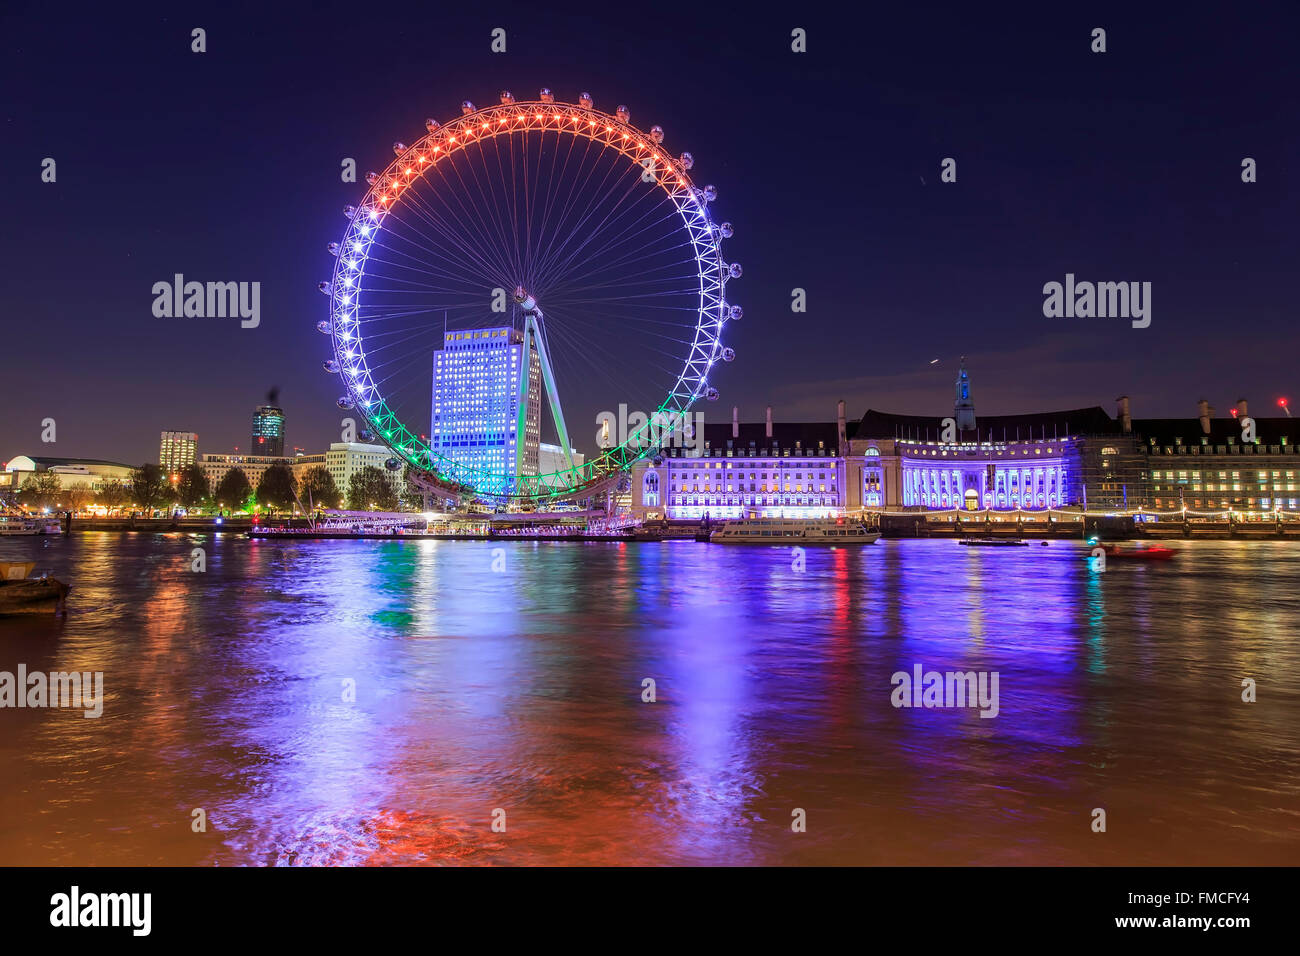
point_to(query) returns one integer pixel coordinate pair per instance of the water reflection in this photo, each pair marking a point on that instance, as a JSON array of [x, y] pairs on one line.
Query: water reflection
[[378, 701]]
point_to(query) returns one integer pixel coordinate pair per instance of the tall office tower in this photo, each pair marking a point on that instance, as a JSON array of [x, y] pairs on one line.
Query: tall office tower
[[485, 416], [268, 431], [176, 451]]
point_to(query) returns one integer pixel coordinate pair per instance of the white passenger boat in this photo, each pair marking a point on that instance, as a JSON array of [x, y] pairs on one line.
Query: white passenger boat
[[27, 524], [794, 531]]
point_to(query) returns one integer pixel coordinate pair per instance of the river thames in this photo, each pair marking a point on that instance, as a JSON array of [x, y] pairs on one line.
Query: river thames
[[504, 680]]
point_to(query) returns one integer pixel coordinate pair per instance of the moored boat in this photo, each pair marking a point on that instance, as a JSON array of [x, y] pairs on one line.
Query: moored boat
[[29, 524], [22, 594], [994, 543], [794, 531]]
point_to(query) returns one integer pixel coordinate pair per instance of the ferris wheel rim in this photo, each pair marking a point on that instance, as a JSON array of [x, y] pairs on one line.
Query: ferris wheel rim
[[439, 143]]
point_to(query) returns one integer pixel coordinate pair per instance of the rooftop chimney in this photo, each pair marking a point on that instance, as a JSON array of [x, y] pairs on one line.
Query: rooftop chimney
[[769, 421], [841, 429], [735, 421], [1204, 412], [1125, 420]]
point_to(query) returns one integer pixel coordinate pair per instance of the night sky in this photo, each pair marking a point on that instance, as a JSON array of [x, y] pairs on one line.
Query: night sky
[[225, 166]]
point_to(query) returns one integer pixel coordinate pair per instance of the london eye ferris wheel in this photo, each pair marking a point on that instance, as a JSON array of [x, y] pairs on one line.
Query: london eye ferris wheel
[[522, 259]]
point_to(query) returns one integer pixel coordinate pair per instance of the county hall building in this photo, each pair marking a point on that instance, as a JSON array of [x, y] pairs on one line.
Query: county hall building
[[1041, 462]]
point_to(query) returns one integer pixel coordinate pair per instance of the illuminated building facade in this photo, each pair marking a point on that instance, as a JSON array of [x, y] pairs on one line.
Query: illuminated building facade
[[176, 451], [1038, 462], [255, 467], [477, 403], [746, 470], [89, 473], [345, 458], [1000, 476], [268, 431], [1076, 459], [1214, 466], [342, 461]]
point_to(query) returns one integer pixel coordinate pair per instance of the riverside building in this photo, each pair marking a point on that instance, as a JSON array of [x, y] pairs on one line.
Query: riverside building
[[483, 418], [762, 470], [268, 431], [1071, 460], [1210, 466], [177, 451], [255, 467]]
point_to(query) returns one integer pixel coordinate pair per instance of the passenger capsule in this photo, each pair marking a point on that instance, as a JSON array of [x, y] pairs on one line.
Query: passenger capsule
[[585, 101], [432, 125], [734, 270], [726, 230], [735, 313], [466, 107], [710, 193], [323, 327], [728, 355], [366, 435], [657, 133], [507, 97], [712, 395], [372, 177], [546, 95], [688, 161], [399, 148], [393, 464], [331, 366], [325, 287], [346, 402], [349, 211], [622, 114], [333, 248]]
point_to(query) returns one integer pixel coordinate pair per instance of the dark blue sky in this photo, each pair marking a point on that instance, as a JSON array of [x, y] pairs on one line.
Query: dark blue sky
[[1122, 166]]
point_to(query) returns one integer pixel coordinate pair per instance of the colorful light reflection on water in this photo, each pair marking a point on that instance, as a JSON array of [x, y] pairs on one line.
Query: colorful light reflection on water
[[521, 690]]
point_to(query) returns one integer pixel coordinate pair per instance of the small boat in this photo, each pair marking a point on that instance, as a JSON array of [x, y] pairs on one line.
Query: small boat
[[22, 594], [794, 531], [994, 543], [650, 532], [1157, 553], [663, 532]]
